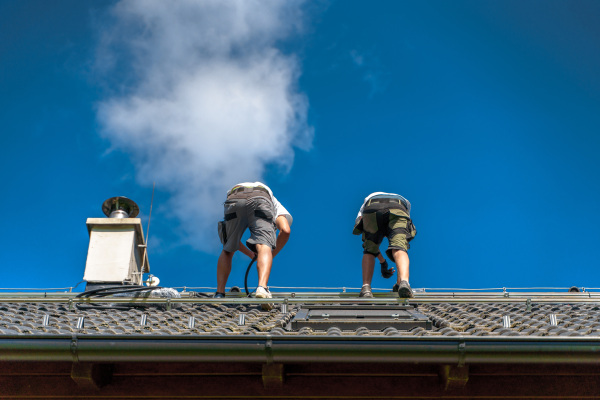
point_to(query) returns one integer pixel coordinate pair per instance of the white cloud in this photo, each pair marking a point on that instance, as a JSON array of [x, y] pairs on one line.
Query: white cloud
[[213, 100]]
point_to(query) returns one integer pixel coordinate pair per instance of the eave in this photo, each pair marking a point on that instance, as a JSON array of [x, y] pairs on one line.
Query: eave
[[456, 350]]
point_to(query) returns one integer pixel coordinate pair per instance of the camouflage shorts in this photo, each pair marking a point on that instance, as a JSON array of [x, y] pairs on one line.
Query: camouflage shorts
[[394, 223]]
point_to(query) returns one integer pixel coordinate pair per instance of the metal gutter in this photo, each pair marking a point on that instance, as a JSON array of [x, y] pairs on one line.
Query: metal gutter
[[318, 349]]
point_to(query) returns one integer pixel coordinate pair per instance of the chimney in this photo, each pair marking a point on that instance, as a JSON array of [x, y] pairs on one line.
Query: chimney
[[116, 254]]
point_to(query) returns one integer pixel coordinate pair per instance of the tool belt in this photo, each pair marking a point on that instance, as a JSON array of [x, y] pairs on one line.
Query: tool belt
[[387, 202], [383, 200], [243, 192]]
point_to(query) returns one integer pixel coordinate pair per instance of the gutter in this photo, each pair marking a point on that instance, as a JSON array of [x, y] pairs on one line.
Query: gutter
[[456, 350]]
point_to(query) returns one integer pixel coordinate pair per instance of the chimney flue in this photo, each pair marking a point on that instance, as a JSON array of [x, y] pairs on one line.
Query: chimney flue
[[120, 207], [116, 253]]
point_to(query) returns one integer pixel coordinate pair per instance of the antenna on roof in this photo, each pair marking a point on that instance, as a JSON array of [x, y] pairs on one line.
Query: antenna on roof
[[148, 228]]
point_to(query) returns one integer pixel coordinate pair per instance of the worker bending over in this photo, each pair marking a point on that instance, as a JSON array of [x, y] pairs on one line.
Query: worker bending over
[[385, 215], [252, 205]]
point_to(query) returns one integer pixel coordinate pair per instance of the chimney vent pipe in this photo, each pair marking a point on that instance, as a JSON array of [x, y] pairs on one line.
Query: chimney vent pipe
[[120, 207]]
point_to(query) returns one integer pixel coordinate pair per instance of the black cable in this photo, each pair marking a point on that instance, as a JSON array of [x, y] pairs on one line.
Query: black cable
[[140, 289], [88, 293], [115, 290], [99, 307], [107, 291], [199, 294], [246, 277]]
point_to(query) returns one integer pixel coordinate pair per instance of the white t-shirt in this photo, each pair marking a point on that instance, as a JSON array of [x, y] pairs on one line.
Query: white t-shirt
[[383, 195], [279, 209]]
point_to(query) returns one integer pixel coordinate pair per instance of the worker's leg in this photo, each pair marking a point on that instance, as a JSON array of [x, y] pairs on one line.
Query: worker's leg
[[230, 233], [223, 269], [264, 261], [262, 238], [402, 262], [368, 266]]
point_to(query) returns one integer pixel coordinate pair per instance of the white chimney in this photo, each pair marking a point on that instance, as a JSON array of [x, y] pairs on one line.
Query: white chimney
[[116, 254]]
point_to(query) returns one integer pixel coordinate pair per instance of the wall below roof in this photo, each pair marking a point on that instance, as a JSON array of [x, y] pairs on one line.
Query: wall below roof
[[225, 380]]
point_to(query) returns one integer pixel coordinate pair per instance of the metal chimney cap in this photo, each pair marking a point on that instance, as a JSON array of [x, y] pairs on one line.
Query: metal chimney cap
[[120, 207]]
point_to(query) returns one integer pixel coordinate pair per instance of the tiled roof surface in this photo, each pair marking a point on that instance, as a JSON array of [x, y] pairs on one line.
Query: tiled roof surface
[[463, 317]]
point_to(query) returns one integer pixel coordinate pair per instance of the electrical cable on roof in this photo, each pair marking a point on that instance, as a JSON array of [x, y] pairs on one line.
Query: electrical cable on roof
[[107, 291], [99, 307], [73, 288], [198, 294]]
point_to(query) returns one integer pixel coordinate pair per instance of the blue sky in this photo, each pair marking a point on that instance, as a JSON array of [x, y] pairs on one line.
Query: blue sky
[[485, 115]]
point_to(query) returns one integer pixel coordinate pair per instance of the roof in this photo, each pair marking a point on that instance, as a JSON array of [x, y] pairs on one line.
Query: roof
[[470, 314], [481, 344]]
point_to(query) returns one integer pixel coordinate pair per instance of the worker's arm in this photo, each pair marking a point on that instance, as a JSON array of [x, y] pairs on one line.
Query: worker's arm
[[246, 251], [385, 271], [284, 233]]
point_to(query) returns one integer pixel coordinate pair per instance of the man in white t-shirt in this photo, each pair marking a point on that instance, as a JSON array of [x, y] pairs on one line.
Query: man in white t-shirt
[[385, 215], [252, 205]]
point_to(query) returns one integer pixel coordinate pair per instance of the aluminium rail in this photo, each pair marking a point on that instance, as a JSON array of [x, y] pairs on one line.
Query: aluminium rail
[[342, 289], [313, 298]]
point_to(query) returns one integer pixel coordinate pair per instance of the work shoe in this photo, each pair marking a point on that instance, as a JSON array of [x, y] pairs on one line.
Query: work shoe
[[404, 290], [366, 291], [219, 295], [263, 293]]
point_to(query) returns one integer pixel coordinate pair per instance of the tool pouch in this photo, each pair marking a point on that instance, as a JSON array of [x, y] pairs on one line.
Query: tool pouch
[[358, 227], [222, 232]]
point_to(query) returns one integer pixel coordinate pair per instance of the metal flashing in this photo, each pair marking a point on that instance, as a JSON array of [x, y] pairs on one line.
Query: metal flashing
[[354, 316]]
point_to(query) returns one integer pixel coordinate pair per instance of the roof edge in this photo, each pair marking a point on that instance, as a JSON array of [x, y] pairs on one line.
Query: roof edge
[[268, 349]]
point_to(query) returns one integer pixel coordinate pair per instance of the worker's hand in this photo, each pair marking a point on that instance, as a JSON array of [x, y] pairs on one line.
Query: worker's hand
[[385, 272], [246, 251]]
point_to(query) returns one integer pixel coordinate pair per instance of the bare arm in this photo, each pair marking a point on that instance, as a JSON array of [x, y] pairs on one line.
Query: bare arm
[[246, 250], [385, 271], [284, 233]]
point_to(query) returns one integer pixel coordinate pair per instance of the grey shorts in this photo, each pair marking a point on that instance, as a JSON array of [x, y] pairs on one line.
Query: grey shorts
[[255, 213]]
